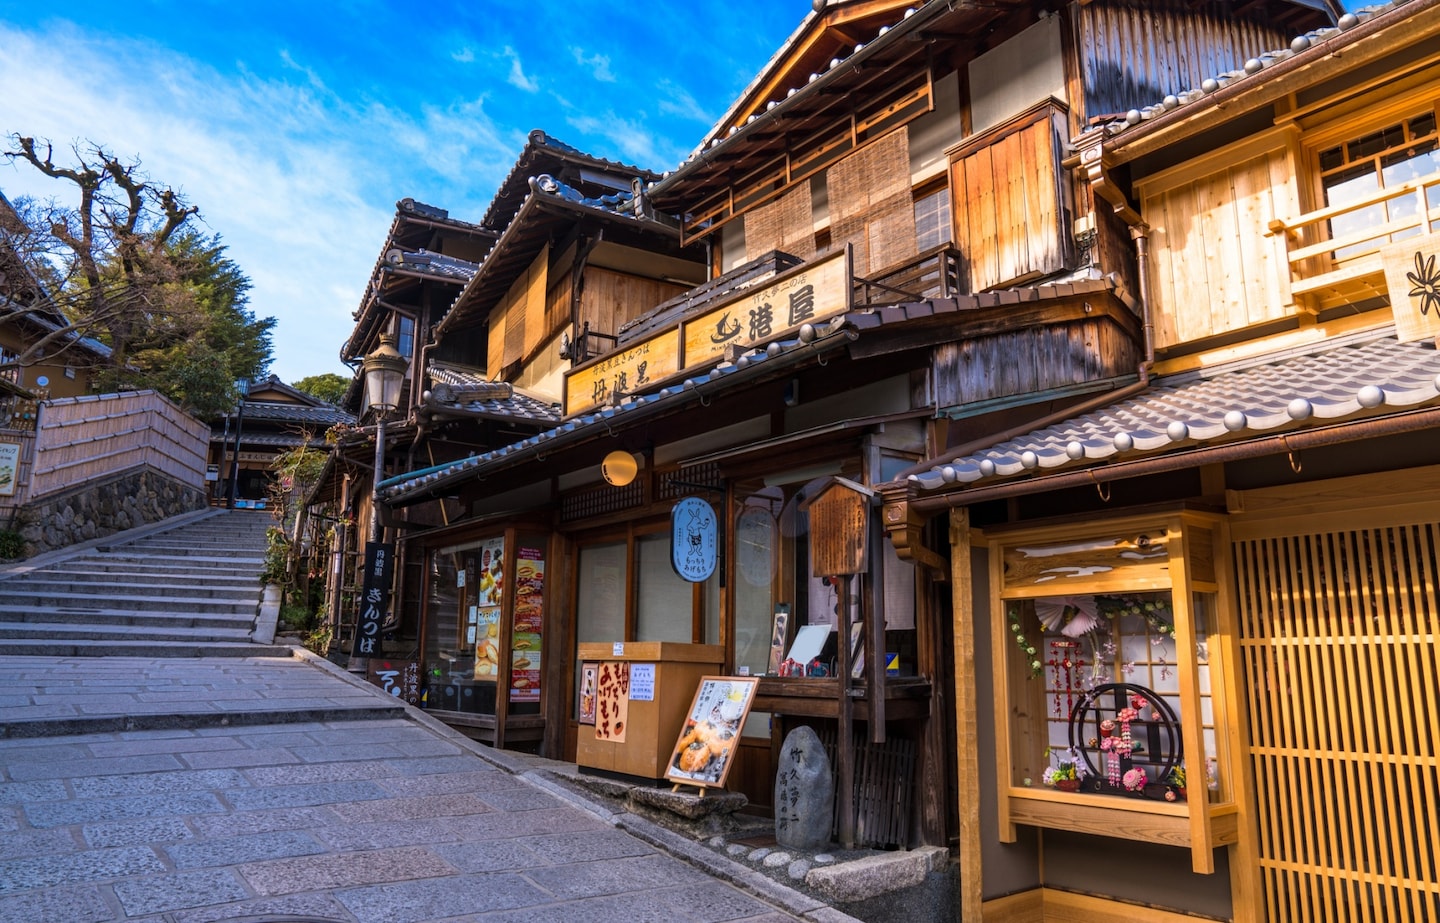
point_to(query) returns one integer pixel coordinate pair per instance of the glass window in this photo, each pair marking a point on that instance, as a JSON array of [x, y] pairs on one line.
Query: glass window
[[665, 601], [600, 608], [405, 341], [932, 219], [1360, 169]]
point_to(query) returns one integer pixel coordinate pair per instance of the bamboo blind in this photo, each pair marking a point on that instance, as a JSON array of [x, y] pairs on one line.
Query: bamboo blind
[[1338, 646], [870, 203], [786, 224]]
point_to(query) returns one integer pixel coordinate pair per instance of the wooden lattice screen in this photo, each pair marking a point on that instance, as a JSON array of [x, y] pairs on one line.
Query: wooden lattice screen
[[786, 224], [870, 203], [1338, 635]]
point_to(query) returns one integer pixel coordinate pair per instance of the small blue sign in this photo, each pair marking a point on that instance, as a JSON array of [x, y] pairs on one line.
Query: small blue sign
[[892, 663], [692, 539]]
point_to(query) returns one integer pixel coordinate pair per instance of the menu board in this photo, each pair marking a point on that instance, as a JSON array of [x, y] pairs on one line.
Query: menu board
[[525, 647], [708, 737], [482, 622]]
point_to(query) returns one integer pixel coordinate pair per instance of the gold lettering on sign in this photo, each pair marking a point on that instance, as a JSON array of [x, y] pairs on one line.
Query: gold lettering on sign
[[609, 378]]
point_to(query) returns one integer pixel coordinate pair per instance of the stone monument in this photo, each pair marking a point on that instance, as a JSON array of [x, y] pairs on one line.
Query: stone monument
[[804, 792]]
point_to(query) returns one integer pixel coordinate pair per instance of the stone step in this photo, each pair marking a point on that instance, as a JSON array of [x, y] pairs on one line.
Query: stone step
[[179, 649], [123, 617], [95, 631], [136, 574], [308, 712], [142, 566], [181, 549], [189, 587], [14, 594]]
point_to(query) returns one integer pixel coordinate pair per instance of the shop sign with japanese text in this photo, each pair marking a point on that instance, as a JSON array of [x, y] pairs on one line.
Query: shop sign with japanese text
[[609, 378], [812, 293], [374, 597]]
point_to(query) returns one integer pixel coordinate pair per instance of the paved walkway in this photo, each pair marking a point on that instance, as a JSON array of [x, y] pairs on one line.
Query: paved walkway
[[269, 789]]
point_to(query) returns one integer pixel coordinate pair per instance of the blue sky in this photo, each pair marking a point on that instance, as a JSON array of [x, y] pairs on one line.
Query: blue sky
[[296, 127]]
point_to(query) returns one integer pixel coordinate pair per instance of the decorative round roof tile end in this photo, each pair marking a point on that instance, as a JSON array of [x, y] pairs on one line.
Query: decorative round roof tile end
[[947, 474], [1170, 102], [1029, 459], [807, 333], [1178, 431], [1300, 43], [1370, 397], [1253, 66], [1075, 450], [1209, 85], [743, 362], [774, 349], [1133, 117], [1348, 21], [987, 467], [1123, 442], [1300, 409], [771, 104], [910, 12]]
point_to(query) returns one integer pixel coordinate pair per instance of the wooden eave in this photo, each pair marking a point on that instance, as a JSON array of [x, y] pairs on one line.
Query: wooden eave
[[1361, 45], [542, 219]]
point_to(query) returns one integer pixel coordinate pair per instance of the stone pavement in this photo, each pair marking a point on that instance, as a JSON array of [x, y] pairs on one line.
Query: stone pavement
[[276, 790]]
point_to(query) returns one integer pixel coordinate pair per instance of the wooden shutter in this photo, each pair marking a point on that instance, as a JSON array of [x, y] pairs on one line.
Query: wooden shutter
[[870, 204], [786, 224]]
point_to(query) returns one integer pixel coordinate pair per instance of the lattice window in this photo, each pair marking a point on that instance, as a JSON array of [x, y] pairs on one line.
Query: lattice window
[[1338, 647], [597, 501]]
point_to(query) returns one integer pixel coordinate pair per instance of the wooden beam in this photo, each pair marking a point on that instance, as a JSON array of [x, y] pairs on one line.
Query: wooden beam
[[967, 756]]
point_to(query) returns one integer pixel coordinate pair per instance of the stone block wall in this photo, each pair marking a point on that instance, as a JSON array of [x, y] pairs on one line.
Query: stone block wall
[[132, 498]]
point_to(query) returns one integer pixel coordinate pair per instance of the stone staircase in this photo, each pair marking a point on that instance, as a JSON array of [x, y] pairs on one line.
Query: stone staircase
[[188, 587]]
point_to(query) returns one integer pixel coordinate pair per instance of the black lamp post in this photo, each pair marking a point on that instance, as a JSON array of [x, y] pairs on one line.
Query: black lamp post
[[244, 388], [384, 374]]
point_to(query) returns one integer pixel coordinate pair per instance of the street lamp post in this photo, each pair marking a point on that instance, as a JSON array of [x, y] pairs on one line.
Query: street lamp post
[[384, 371], [244, 388]]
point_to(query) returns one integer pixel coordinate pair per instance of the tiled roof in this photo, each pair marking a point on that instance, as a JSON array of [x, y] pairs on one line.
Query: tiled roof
[[433, 265], [778, 354], [249, 439], [1355, 381], [467, 391], [543, 154], [1311, 45], [274, 411]]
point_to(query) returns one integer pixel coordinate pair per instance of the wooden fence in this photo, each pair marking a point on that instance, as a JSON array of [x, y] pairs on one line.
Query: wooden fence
[[81, 439]]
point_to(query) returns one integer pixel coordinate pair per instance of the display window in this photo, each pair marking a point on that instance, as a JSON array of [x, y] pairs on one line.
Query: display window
[[1115, 712]]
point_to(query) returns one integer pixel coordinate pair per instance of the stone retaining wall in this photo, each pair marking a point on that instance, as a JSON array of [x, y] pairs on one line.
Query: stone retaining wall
[[99, 508]]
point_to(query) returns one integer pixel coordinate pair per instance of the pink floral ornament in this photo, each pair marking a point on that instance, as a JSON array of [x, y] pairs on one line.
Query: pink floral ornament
[[1135, 780]]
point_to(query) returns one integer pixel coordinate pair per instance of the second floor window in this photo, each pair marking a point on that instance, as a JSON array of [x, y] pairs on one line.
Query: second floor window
[[1362, 168], [932, 218]]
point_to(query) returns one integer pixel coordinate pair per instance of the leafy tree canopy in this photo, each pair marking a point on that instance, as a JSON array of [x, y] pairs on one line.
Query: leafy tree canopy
[[119, 260], [328, 387]]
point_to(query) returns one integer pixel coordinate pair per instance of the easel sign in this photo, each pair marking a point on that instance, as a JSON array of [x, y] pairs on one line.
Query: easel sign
[[711, 732]]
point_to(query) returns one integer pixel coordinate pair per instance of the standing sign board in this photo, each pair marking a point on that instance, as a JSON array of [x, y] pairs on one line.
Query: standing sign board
[[379, 568], [702, 755]]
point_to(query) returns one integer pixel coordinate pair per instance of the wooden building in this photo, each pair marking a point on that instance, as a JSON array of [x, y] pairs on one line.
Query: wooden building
[[1232, 569], [881, 253]]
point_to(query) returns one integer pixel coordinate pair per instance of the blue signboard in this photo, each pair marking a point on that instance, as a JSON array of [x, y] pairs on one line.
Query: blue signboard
[[692, 539]]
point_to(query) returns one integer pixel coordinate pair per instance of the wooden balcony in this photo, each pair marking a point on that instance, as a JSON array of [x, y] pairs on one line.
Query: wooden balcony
[[1326, 271]]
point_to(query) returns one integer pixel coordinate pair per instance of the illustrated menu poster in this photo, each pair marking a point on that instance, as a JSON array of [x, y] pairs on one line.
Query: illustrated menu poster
[[487, 645], [708, 738], [9, 467], [529, 619], [612, 701], [490, 581], [588, 678]]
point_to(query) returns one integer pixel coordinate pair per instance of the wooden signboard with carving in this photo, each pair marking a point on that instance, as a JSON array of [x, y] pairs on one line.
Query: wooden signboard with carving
[[1412, 273], [839, 528], [607, 379]]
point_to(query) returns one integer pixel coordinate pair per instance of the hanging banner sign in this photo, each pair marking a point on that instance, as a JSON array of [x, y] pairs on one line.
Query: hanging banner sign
[[692, 539], [379, 569]]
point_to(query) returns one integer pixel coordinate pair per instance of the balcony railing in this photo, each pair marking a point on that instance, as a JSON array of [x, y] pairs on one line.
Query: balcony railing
[[936, 273], [1325, 269]]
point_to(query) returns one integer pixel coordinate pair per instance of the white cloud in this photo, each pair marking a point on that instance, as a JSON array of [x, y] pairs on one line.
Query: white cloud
[[299, 182], [673, 99], [634, 141], [597, 64], [518, 78], [464, 55]]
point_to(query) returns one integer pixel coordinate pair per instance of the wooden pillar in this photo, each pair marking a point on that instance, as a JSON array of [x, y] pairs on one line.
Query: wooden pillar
[[967, 706]]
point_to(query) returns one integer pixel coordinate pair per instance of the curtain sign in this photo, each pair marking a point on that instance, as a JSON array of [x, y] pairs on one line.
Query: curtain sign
[[692, 539], [379, 567]]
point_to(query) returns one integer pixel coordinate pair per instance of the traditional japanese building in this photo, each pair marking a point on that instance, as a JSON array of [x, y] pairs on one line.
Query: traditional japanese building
[[1213, 599], [881, 253], [270, 419]]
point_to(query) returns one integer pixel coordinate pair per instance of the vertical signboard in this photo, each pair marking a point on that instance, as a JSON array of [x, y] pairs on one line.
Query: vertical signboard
[[525, 639], [375, 596]]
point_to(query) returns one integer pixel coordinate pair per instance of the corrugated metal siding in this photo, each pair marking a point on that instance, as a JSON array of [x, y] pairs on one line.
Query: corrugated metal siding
[[1134, 57]]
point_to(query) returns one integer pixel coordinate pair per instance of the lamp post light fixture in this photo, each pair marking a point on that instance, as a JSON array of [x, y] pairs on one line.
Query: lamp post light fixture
[[384, 371], [242, 386]]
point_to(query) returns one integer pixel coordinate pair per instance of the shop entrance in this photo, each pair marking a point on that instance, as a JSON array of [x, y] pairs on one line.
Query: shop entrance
[[1338, 634]]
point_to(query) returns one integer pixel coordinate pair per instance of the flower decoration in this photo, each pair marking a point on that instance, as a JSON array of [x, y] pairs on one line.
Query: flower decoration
[[1426, 283], [1134, 780], [1072, 616], [1018, 632], [1156, 612]]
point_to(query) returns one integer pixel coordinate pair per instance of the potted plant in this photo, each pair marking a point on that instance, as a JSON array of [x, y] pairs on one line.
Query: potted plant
[[1177, 782], [1065, 775]]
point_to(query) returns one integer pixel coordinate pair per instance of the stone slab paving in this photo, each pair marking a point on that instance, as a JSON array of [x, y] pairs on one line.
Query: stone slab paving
[[348, 819]]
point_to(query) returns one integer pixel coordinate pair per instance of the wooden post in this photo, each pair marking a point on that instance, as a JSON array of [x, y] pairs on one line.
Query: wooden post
[[844, 750], [967, 757], [875, 632]]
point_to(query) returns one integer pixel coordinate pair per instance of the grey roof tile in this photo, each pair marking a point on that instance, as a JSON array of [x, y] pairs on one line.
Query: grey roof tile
[[1356, 380]]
